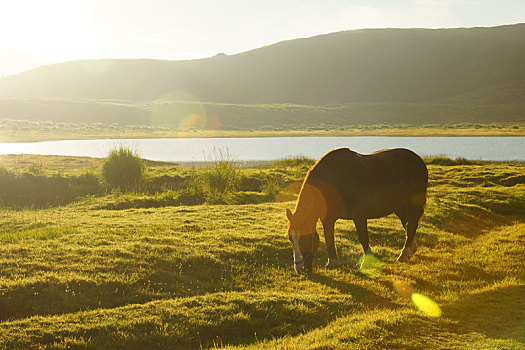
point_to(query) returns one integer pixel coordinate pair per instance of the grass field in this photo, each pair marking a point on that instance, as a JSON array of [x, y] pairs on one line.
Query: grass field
[[133, 271]]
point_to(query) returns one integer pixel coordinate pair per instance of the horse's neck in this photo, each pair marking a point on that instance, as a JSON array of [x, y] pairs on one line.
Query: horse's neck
[[310, 206]]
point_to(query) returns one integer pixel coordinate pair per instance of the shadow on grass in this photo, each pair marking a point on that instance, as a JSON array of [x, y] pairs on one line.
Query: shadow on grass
[[161, 278], [472, 223], [53, 296], [360, 294], [392, 237], [146, 274], [498, 313], [460, 272], [204, 321]]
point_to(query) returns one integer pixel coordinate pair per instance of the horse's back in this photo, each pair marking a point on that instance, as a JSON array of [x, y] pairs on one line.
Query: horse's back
[[399, 164], [376, 184]]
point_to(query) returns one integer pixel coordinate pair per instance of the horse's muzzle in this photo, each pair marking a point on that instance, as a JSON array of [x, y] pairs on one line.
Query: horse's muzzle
[[305, 265], [300, 268]]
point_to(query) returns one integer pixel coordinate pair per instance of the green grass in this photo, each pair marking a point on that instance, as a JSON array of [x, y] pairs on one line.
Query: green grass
[[86, 275]]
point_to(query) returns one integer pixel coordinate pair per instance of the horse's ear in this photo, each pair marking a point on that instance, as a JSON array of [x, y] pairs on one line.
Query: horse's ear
[[289, 214]]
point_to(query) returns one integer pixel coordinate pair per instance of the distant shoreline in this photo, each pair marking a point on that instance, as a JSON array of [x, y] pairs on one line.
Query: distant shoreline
[[134, 132]]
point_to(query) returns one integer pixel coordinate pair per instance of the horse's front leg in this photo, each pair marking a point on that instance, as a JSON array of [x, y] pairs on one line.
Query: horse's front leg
[[329, 229], [362, 232]]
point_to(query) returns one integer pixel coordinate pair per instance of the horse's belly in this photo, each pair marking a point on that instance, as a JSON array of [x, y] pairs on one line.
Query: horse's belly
[[369, 213], [374, 214], [372, 207]]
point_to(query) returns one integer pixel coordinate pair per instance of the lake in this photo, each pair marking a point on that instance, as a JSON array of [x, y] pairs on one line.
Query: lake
[[271, 148]]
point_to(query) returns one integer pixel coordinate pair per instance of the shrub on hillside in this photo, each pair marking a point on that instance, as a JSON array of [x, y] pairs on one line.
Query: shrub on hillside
[[37, 191], [194, 192], [446, 161], [222, 178], [272, 186], [123, 169], [290, 162], [251, 183]]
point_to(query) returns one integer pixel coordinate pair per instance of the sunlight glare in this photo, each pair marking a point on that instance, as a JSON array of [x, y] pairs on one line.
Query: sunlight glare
[[426, 305], [52, 31], [403, 289], [370, 265], [183, 112], [423, 303]]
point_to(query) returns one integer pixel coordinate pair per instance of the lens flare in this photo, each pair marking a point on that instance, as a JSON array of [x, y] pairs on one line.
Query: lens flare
[[370, 265], [423, 303], [184, 113], [193, 122], [426, 305], [403, 289]]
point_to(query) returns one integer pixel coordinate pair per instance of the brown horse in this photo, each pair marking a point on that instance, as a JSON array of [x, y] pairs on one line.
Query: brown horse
[[344, 184]]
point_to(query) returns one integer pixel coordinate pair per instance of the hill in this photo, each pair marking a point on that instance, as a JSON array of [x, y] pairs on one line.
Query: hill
[[12, 61], [375, 65], [396, 77]]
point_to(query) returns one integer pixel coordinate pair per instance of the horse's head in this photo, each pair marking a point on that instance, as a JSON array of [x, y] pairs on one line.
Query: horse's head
[[304, 242]]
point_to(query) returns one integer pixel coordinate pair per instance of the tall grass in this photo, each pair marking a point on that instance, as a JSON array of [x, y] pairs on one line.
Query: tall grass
[[222, 178], [123, 169]]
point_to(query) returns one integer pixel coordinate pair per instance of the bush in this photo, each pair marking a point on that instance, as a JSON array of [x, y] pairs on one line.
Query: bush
[[194, 192], [251, 183], [445, 161], [123, 169], [38, 191], [272, 187], [222, 178], [291, 162], [163, 183]]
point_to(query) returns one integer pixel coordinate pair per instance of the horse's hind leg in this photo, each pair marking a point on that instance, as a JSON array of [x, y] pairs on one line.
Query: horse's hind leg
[[402, 214], [414, 213]]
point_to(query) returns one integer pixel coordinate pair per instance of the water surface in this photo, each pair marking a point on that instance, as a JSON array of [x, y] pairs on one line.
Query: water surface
[[271, 148]]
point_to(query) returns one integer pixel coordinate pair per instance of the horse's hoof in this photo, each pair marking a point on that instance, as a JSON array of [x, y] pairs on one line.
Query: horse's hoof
[[405, 255], [403, 258], [332, 264]]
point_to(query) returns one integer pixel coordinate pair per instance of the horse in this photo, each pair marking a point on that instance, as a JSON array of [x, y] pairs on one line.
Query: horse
[[344, 184]]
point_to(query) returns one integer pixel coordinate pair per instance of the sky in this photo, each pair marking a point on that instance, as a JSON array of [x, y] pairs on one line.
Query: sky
[[36, 31]]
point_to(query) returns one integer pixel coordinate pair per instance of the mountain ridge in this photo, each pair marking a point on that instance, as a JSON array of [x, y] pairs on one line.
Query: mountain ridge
[[368, 65]]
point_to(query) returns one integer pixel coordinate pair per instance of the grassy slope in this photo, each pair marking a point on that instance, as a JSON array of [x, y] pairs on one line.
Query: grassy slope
[[179, 277], [37, 119], [507, 106]]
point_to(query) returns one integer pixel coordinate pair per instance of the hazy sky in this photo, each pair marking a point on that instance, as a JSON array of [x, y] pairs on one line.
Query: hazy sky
[[61, 30]]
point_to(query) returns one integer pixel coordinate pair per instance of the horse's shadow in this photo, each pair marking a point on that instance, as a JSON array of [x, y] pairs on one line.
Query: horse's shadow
[[379, 236], [361, 295]]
